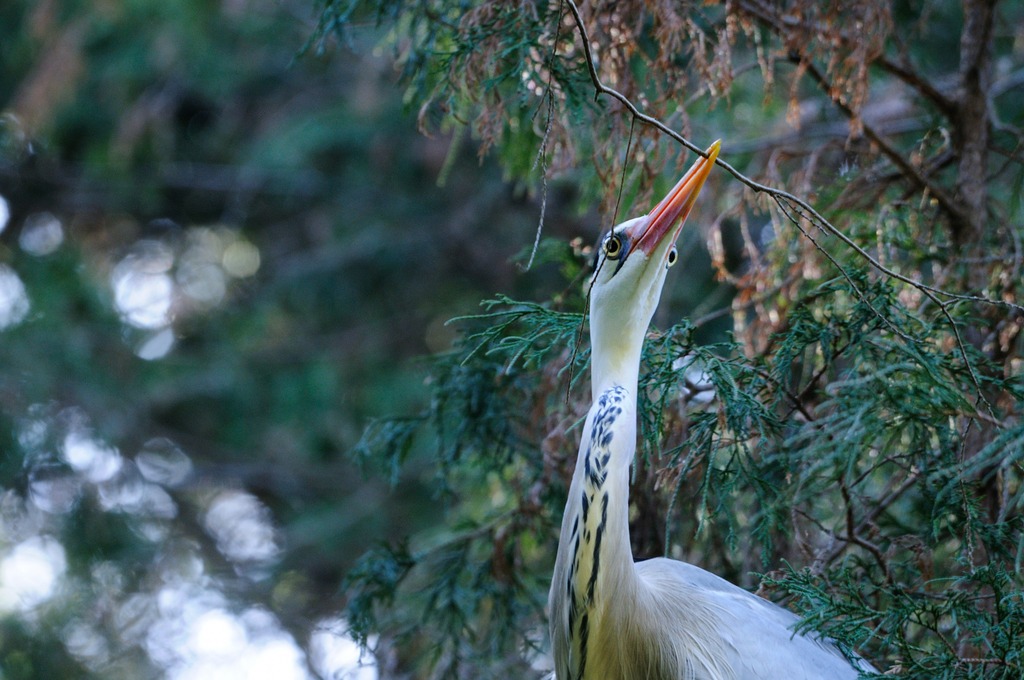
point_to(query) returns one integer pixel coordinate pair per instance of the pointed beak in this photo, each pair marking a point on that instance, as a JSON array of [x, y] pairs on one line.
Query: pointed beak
[[672, 210]]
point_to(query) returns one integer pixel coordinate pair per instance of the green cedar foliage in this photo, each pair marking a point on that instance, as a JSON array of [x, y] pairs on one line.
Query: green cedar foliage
[[872, 495], [853, 446]]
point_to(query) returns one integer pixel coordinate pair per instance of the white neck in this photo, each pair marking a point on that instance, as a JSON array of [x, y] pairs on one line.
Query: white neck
[[594, 567], [614, 368]]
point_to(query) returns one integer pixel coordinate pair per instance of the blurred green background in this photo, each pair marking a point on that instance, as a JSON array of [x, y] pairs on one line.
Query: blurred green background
[[220, 255], [226, 248]]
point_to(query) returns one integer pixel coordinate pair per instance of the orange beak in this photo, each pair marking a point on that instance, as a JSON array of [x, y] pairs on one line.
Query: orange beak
[[673, 209]]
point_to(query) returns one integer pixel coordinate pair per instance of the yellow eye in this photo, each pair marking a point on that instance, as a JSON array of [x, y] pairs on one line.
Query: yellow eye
[[613, 247], [672, 256]]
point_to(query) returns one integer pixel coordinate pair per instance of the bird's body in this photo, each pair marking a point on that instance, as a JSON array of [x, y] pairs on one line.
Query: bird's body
[[661, 619]]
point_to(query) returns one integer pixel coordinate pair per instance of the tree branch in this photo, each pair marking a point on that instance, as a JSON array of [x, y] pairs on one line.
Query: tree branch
[[956, 214], [807, 210], [972, 119], [802, 208], [903, 71]]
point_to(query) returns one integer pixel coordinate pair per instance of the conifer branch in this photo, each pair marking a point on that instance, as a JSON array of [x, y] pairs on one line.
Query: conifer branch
[[777, 194], [801, 207]]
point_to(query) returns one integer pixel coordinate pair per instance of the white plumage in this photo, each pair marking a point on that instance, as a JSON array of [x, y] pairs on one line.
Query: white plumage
[[611, 618]]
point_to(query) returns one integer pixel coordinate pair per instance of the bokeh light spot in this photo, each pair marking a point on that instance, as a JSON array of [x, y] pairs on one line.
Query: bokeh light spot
[[241, 526], [14, 304], [41, 234], [143, 288], [5, 213], [162, 462], [156, 346], [30, 573], [241, 259], [334, 654], [93, 460]]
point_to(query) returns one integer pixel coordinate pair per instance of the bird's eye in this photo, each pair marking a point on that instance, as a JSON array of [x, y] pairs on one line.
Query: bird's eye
[[613, 247], [673, 255]]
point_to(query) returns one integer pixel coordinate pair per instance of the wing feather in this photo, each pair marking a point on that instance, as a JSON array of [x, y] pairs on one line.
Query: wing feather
[[758, 637]]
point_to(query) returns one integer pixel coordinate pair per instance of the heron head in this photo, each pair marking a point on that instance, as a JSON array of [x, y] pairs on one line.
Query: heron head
[[631, 267]]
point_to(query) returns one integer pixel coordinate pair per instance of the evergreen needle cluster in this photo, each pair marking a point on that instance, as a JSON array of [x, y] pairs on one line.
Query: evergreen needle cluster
[[852, 444]]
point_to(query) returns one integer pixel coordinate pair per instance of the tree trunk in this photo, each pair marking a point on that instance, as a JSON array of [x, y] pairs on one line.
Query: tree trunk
[[972, 127]]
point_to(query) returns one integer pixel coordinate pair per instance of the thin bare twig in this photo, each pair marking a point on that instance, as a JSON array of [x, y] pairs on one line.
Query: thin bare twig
[[853, 537], [906, 169], [798, 205], [543, 150], [904, 71], [542, 161], [777, 194], [622, 180]]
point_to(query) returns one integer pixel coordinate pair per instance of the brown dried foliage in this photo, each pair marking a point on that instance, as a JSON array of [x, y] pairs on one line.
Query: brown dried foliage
[[671, 61]]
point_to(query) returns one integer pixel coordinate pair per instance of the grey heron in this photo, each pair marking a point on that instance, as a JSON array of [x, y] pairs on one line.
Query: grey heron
[[659, 619]]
